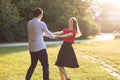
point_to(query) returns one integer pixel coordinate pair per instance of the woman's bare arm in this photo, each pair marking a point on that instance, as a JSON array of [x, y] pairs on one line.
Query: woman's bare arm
[[58, 33], [66, 35]]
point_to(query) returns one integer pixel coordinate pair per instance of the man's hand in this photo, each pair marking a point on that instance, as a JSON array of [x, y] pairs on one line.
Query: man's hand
[[57, 36]]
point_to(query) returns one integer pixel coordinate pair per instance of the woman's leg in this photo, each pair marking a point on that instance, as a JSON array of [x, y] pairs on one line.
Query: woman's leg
[[61, 75], [62, 70]]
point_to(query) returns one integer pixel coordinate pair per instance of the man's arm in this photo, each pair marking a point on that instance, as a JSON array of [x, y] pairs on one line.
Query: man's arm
[[47, 32]]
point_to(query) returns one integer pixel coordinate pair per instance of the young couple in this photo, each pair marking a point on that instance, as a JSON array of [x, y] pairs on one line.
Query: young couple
[[66, 57]]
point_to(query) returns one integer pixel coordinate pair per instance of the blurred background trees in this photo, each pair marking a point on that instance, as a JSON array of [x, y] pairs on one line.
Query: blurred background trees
[[14, 15]]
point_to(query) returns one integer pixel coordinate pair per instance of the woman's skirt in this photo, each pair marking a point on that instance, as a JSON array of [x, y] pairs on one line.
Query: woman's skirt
[[66, 56]]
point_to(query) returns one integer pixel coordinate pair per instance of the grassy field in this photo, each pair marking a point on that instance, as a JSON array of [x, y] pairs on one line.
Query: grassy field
[[14, 61], [107, 51]]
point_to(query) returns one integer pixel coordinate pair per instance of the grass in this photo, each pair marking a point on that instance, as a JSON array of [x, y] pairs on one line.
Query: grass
[[14, 62], [107, 51]]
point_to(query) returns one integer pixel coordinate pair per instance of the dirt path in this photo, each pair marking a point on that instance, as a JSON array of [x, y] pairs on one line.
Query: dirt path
[[108, 68]]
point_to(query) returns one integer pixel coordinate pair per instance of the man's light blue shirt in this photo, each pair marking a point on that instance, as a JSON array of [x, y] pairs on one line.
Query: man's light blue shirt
[[36, 30]]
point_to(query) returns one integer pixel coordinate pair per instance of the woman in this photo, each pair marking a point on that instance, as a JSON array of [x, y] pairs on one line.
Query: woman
[[66, 56]]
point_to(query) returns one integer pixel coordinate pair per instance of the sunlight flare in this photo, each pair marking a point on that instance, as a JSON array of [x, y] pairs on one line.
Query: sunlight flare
[[116, 2]]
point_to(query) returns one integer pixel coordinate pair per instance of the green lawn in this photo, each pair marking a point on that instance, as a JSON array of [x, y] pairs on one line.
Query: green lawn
[[14, 62], [108, 51]]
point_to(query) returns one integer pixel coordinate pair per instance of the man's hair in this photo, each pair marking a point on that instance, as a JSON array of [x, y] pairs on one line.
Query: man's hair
[[37, 11]]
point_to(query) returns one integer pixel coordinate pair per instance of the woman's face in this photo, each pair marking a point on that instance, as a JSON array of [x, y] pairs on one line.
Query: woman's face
[[70, 23]]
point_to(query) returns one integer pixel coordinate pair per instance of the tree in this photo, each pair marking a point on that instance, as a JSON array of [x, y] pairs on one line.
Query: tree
[[87, 23], [56, 15], [9, 17]]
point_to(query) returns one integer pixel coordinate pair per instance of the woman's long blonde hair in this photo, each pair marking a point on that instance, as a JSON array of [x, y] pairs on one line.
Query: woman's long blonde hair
[[76, 26]]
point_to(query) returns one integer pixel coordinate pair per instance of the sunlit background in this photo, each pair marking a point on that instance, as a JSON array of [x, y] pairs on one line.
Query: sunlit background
[[117, 2], [107, 14]]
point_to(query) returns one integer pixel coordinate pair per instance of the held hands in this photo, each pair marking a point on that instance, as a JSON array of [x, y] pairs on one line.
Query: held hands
[[57, 36]]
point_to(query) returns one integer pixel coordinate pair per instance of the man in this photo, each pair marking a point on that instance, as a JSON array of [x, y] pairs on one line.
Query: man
[[37, 47]]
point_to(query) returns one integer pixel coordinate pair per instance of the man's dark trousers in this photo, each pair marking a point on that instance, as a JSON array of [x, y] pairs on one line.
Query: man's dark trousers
[[43, 58]]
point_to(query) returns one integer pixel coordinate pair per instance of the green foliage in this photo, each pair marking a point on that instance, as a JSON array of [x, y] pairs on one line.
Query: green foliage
[[60, 11], [56, 15], [9, 17]]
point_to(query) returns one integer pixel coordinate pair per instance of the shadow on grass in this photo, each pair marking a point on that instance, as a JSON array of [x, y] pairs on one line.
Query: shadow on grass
[[11, 50]]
